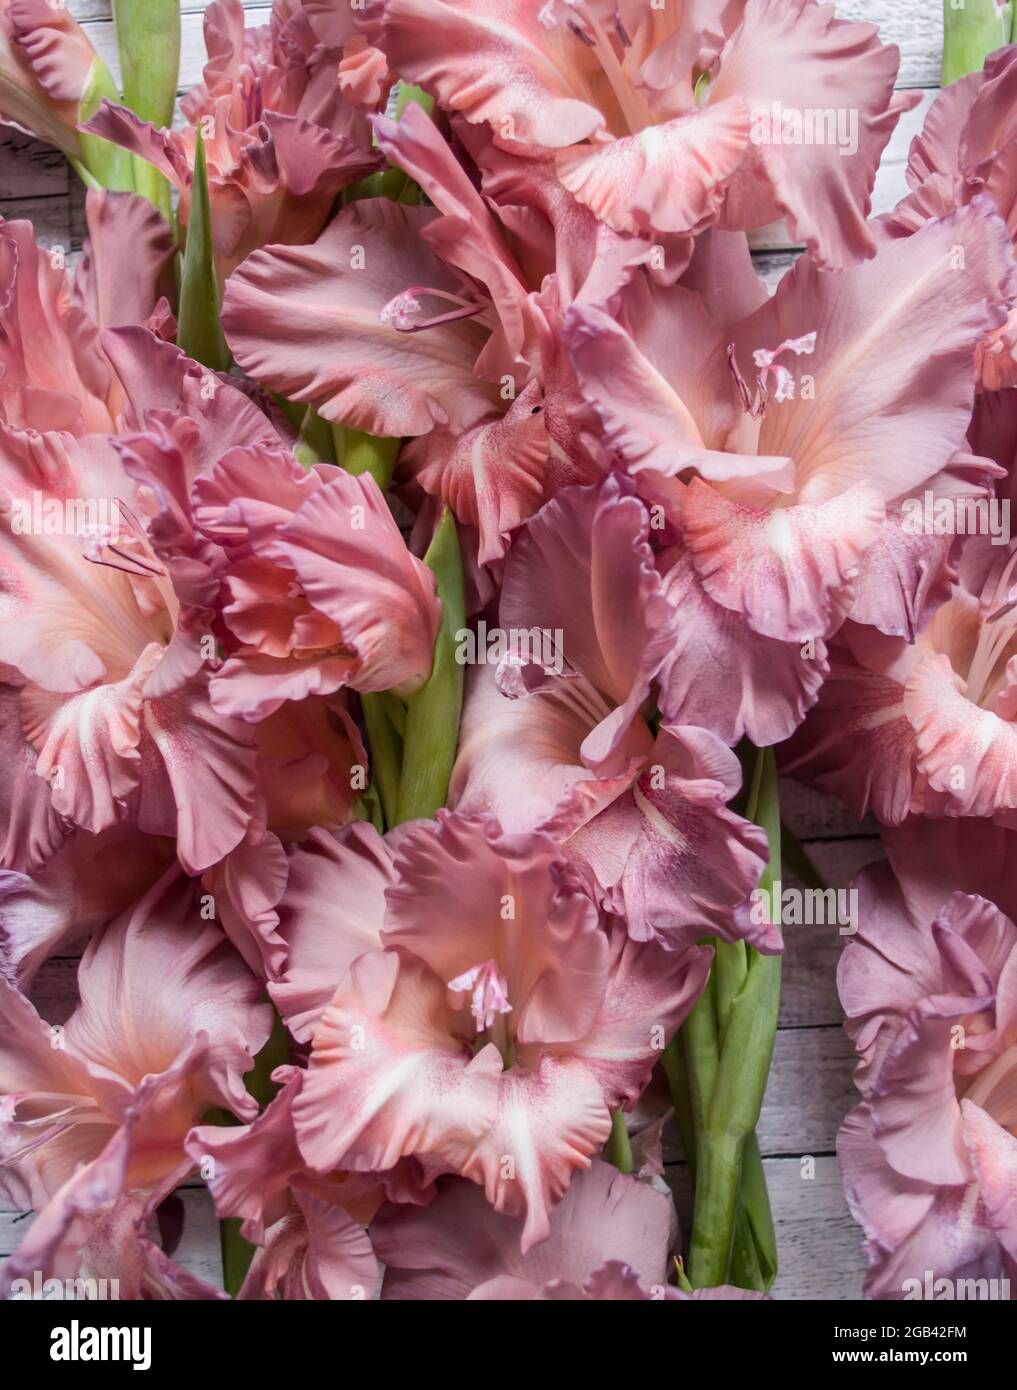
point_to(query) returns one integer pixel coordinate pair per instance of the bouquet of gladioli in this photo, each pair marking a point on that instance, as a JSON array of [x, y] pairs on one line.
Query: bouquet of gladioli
[[424, 538]]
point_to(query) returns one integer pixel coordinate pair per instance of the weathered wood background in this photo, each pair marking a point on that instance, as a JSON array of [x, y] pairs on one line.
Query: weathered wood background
[[810, 1087]]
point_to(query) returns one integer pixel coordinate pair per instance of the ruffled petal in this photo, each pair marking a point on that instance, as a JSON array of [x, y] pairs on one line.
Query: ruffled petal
[[332, 912], [788, 570], [541, 934], [665, 178], [307, 322]]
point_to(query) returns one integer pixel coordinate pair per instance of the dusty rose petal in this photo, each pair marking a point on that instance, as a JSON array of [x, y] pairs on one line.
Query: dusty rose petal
[[787, 570], [724, 676], [666, 178], [331, 913]]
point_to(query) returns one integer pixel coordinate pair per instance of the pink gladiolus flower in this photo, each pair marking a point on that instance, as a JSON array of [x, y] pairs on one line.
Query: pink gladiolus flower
[[927, 727], [54, 374], [567, 749], [320, 589], [930, 989], [661, 126], [968, 147], [573, 1005], [310, 1229], [775, 492], [608, 1233], [609, 1241], [47, 69], [108, 595], [280, 138], [441, 323], [94, 1115], [84, 884]]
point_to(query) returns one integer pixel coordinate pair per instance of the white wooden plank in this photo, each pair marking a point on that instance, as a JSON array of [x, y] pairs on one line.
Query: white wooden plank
[[915, 26]]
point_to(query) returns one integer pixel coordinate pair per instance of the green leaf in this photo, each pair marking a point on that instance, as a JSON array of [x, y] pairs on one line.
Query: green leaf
[[972, 29], [148, 37], [107, 164], [386, 748], [366, 453], [729, 1209], [200, 332], [433, 713], [619, 1146]]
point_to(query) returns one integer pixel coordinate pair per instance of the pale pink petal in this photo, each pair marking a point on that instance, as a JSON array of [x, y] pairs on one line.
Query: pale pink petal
[[892, 371], [198, 776], [515, 911], [494, 62], [584, 566], [159, 982], [466, 235], [126, 265], [543, 733], [33, 830], [723, 675], [666, 178], [246, 888], [354, 567], [797, 54], [457, 1247], [993, 1153], [254, 686], [551, 1118], [86, 883], [649, 995], [387, 1076], [859, 744], [669, 857], [55, 45], [307, 322], [967, 753], [787, 570], [492, 476], [332, 912], [88, 745], [317, 1251], [248, 1167]]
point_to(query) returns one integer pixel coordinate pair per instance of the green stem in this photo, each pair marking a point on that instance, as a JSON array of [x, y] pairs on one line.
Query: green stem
[[200, 333], [730, 969], [619, 1146], [433, 713], [108, 165], [673, 1062], [386, 754], [366, 453], [148, 37], [754, 1201], [701, 1048], [972, 29], [733, 1102], [237, 1254]]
